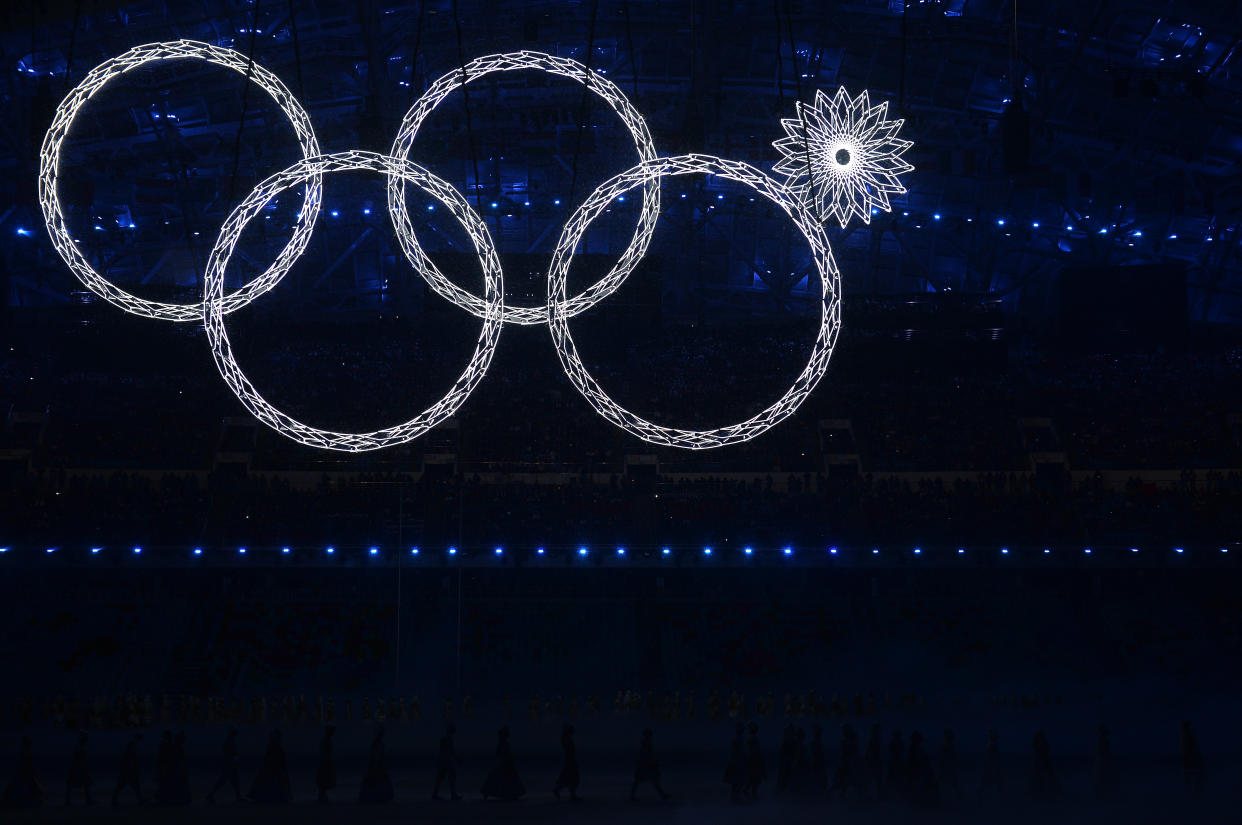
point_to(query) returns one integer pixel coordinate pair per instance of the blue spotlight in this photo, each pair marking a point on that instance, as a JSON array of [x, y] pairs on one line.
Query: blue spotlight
[[1047, 551], [665, 551], [1086, 550], [788, 551], [95, 551], [918, 551], [374, 551], [832, 550], [621, 198], [500, 551], [336, 214], [1035, 225], [366, 211], [961, 551], [748, 550], [936, 216], [720, 197], [1224, 549], [494, 204], [51, 550], [198, 551], [539, 551], [620, 551], [241, 551], [137, 551], [452, 551], [582, 551], [556, 202], [707, 551], [1133, 549], [1000, 221], [683, 194], [1179, 550], [331, 550], [285, 550], [413, 551], [431, 207], [875, 551], [4, 549], [1004, 551]]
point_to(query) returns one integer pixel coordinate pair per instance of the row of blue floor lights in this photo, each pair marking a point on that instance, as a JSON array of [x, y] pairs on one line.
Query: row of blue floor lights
[[584, 551]]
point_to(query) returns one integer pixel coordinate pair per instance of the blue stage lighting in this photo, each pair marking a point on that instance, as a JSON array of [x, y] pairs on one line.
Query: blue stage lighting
[[1035, 224], [331, 550], [1179, 550], [198, 551], [336, 214], [1004, 551], [374, 551], [788, 551], [413, 551], [621, 198], [1224, 549], [1133, 549], [431, 207], [241, 551], [665, 551], [875, 551], [285, 550], [748, 550], [720, 197], [832, 550], [918, 551], [1000, 221], [936, 216], [500, 551], [4, 549], [95, 551], [961, 551], [1046, 551], [1087, 550], [51, 550], [452, 551], [582, 551], [539, 551], [620, 551], [137, 551], [366, 211], [707, 551], [556, 202], [23, 231]]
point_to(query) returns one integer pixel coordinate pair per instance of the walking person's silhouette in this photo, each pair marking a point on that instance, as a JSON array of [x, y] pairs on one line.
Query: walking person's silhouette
[[446, 765], [503, 781], [376, 783], [79, 775], [569, 776], [756, 767], [129, 776], [228, 774], [325, 773], [735, 771], [271, 785], [23, 790], [647, 768]]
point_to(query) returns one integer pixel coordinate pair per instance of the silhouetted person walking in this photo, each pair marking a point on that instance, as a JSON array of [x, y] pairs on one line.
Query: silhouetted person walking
[[735, 771], [376, 783], [921, 786], [847, 777], [502, 780], [873, 764], [946, 773], [1044, 783], [446, 765], [819, 761], [79, 772], [756, 767], [23, 789], [129, 775], [271, 785], [993, 777], [325, 773], [569, 777], [1106, 779], [180, 790], [647, 768], [228, 767], [895, 783], [1192, 761]]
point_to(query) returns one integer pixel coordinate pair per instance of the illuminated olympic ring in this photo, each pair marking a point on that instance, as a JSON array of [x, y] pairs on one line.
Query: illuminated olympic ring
[[49, 165], [491, 307], [562, 67]]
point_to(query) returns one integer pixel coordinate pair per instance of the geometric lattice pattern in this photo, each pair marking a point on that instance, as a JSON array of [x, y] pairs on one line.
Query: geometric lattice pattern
[[842, 156]]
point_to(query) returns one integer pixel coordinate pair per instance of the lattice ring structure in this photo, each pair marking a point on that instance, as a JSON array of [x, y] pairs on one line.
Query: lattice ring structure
[[821, 254], [562, 67], [67, 111], [313, 169]]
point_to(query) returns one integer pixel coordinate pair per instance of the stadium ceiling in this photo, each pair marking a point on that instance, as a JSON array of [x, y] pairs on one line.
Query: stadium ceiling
[[1127, 151]]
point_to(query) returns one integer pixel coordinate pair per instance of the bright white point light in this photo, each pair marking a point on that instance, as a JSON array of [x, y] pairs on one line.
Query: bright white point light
[[285, 550], [413, 551], [961, 551], [95, 551], [918, 551], [1133, 549], [875, 551], [1137, 234], [832, 550], [1000, 221], [748, 550], [557, 202], [51, 550], [374, 551], [4, 549], [1046, 551], [366, 211], [198, 551], [1087, 550], [1179, 549], [842, 156], [241, 551], [331, 550], [1005, 551], [1224, 549], [582, 551], [137, 551], [788, 551], [1173, 237], [452, 551], [936, 216], [707, 551], [620, 551], [1035, 225], [335, 214], [539, 551], [23, 231], [500, 551], [666, 551], [1069, 229]]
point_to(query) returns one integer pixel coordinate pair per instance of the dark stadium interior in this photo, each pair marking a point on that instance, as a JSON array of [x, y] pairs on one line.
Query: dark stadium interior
[[986, 570]]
